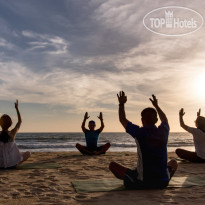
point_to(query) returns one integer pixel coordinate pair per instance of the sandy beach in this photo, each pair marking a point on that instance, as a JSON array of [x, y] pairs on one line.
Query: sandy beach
[[53, 186]]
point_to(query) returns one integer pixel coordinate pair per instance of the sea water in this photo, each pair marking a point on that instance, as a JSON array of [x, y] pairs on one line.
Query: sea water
[[58, 142]]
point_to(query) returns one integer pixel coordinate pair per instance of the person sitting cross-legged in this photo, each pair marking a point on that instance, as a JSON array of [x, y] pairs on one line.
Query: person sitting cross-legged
[[152, 170], [91, 137], [198, 133]]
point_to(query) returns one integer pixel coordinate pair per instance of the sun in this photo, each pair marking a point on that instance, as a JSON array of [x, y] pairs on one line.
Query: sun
[[199, 87]]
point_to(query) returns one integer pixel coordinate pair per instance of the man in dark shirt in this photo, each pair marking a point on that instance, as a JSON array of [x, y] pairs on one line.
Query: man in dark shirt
[[91, 138], [152, 169]]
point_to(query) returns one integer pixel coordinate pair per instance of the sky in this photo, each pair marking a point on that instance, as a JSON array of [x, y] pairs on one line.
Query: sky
[[62, 58]]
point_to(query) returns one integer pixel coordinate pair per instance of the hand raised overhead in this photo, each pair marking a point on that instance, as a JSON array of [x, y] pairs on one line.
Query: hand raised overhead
[[100, 116], [154, 101], [121, 97], [199, 112], [181, 112], [86, 116], [16, 104]]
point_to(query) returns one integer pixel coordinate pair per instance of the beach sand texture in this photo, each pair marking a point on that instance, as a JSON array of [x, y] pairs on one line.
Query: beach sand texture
[[53, 186]]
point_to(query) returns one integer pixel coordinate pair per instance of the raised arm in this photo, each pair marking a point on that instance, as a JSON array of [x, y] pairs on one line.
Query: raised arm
[[199, 112], [18, 114], [84, 120], [102, 123], [122, 116], [18, 124], [161, 114], [181, 120]]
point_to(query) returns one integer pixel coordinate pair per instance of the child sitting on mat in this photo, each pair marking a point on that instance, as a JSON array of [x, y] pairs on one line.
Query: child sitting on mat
[[10, 156], [91, 137], [198, 136], [152, 169]]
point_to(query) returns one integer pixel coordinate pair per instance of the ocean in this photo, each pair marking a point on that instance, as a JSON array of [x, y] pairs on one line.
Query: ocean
[[58, 142]]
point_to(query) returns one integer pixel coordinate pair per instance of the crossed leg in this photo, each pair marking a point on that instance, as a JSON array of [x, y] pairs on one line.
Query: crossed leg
[[25, 156], [190, 156], [104, 148], [119, 170], [83, 149], [172, 167], [100, 150]]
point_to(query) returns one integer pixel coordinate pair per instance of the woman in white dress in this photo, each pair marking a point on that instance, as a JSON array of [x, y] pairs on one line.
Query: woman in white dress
[[10, 155]]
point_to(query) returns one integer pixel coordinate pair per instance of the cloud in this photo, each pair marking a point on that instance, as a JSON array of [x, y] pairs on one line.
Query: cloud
[[5, 44], [48, 44], [88, 51]]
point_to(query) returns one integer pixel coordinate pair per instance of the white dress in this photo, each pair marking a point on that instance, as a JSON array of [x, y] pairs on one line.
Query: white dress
[[9, 152], [199, 141]]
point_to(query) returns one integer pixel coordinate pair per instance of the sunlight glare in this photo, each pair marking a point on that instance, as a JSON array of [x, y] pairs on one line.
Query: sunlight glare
[[199, 87]]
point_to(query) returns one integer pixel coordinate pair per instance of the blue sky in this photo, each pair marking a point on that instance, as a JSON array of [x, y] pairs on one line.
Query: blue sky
[[63, 58]]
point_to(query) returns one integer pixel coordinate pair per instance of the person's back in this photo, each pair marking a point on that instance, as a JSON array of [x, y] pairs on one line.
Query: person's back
[[199, 141], [198, 137], [152, 169], [9, 152], [151, 148], [153, 144]]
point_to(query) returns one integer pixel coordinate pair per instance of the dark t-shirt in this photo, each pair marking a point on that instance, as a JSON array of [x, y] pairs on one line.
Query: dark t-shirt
[[152, 151]]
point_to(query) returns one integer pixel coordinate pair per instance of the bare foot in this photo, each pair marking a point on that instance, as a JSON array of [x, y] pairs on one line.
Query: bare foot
[[95, 152]]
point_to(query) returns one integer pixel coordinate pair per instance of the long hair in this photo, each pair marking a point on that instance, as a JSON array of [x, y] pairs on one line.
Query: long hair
[[5, 122], [4, 136]]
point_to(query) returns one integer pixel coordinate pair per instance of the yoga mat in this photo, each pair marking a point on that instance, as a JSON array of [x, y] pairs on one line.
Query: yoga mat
[[106, 185], [183, 161], [39, 166], [103, 185]]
